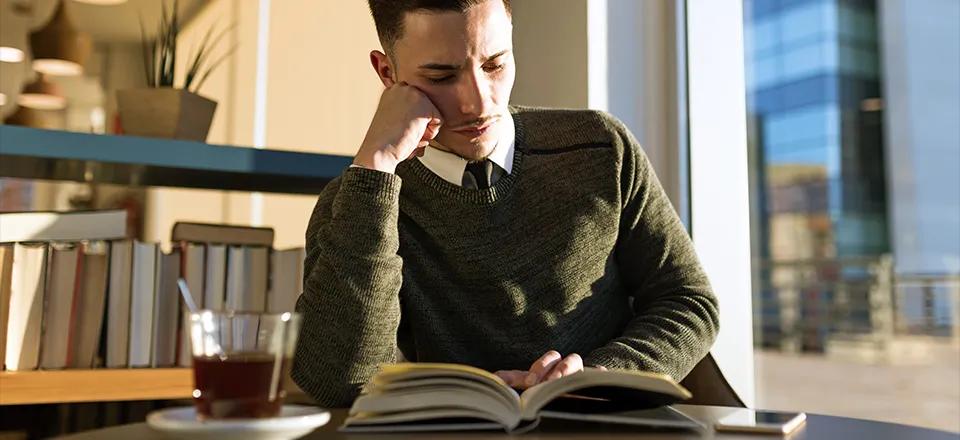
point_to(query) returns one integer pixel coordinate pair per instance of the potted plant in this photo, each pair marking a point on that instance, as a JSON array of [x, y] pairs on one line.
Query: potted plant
[[163, 109]]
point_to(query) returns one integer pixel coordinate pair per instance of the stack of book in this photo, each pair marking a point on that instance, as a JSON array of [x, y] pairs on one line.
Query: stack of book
[[76, 293]]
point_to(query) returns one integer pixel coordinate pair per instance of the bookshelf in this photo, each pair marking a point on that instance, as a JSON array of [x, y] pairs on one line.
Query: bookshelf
[[31, 153]]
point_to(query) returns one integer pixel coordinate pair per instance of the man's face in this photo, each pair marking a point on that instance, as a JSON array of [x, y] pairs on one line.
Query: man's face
[[464, 63]]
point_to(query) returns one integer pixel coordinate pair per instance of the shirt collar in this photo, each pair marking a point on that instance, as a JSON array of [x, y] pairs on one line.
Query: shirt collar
[[450, 167]]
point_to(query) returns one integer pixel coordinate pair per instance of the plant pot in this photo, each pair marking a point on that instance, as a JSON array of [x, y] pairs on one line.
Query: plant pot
[[165, 113]]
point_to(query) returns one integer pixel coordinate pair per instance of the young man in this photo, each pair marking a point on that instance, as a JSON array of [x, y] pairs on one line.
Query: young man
[[529, 242]]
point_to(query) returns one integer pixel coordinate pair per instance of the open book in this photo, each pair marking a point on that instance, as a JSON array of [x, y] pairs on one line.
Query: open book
[[433, 397]]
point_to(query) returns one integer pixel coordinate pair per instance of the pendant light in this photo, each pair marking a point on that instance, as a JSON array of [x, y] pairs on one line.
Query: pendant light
[[13, 33], [59, 48], [42, 95], [11, 54]]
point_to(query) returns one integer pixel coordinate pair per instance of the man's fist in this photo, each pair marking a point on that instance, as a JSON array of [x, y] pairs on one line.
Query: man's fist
[[405, 121]]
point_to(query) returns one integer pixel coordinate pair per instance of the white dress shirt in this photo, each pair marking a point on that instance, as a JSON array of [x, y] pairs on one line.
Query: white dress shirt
[[451, 167]]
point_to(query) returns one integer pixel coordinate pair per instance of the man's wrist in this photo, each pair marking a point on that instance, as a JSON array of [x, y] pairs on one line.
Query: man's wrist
[[377, 161]]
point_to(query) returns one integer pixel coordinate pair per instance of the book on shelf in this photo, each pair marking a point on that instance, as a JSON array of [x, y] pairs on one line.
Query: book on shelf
[[119, 304], [192, 270], [286, 279], [215, 277], [89, 308], [247, 285], [146, 257], [115, 303], [6, 273], [27, 287], [247, 278], [166, 308], [221, 234], [59, 299], [435, 397], [63, 225]]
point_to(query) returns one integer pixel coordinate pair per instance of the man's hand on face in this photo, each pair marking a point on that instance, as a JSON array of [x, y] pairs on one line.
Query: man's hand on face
[[550, 366], [404, 123]]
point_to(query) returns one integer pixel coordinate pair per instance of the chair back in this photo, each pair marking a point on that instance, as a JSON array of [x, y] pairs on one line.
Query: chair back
[[709, 387]]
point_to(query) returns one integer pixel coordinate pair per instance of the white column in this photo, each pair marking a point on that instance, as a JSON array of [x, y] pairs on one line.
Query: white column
[[719, 190], [260, 100], [597, 93]]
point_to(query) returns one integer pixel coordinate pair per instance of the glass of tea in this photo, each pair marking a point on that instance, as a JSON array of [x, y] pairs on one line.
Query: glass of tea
[[240, 362]]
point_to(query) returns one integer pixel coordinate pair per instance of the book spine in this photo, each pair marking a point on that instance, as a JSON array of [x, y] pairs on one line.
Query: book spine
[[72, 333]]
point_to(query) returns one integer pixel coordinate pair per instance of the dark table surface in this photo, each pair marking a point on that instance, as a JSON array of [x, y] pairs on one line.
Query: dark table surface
[[817, 427]]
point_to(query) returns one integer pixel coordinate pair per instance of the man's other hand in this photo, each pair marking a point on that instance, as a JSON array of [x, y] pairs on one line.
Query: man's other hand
[[548, 367], [406, 120]]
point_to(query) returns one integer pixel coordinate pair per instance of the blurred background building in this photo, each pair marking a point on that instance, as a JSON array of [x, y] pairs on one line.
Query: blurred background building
[[855, 152]]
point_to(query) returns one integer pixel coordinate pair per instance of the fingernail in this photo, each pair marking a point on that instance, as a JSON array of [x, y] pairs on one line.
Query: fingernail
[[531, 380]]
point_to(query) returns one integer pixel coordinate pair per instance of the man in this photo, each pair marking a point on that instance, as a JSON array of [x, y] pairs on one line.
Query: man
[[529, 242]]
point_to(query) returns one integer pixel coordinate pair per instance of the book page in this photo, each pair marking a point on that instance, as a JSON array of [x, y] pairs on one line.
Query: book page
[[610, 390], [482, 403], [424, 369], [508, 397], [410, 371], [409, 392]]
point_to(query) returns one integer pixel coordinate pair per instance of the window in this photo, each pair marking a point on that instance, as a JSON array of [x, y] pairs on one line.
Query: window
[[854, 157]]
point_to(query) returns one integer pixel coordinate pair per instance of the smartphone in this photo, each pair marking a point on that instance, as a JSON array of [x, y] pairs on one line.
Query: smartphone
[[768, 422]]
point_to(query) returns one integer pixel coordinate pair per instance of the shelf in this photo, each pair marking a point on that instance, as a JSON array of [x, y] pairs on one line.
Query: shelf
[[129, 160], [62, 386]]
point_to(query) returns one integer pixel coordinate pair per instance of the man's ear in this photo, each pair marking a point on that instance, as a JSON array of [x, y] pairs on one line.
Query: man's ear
[[381, 64]]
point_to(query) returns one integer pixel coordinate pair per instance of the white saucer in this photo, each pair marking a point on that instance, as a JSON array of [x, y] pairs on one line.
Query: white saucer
[[294, 421]]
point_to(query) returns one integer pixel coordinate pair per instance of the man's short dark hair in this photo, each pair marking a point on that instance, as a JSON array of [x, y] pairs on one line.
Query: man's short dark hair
[[388, 15]]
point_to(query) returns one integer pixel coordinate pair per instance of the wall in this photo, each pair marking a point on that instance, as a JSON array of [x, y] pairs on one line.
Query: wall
[[550, 47], [321, 94], [642, 81]]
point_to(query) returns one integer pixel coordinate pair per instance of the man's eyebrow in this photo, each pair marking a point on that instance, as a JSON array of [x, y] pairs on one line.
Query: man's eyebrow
[[439, 66], [498, 54]]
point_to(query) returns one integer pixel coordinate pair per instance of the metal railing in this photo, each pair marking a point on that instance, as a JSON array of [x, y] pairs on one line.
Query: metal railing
[[805, 305]]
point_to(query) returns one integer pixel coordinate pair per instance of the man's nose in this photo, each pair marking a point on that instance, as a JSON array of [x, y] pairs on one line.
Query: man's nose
[[474, 93]]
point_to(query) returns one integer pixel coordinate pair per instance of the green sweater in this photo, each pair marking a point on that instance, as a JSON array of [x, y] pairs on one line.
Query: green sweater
[[577, 250]]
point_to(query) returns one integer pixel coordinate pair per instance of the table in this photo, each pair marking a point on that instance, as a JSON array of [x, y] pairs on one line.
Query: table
[[817, 427]]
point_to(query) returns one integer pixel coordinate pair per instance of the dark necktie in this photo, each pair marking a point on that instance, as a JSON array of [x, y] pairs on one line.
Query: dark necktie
[[478, 175]]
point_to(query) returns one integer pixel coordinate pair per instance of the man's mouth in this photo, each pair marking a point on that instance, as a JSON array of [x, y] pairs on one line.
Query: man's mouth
[[475, 131]]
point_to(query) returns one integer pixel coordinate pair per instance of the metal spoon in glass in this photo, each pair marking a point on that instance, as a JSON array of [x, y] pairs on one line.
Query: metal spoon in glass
[[187, 297]]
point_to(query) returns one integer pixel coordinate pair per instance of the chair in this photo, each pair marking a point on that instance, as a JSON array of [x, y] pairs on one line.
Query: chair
[[708, 385]]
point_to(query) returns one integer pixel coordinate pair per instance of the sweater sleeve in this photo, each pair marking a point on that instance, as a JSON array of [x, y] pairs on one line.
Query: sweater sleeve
[[675, 311], [352, 277]]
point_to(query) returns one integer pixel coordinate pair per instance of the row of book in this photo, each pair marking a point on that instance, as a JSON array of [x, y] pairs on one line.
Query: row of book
[[75, 294]]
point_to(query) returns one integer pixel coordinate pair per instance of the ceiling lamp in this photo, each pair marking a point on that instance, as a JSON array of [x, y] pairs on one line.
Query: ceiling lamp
[[42, 95], [10, 54], [59, 48], [3, 99], [13, 36]]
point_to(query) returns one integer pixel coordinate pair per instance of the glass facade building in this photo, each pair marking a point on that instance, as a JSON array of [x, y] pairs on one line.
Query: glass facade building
[[823, 235]]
